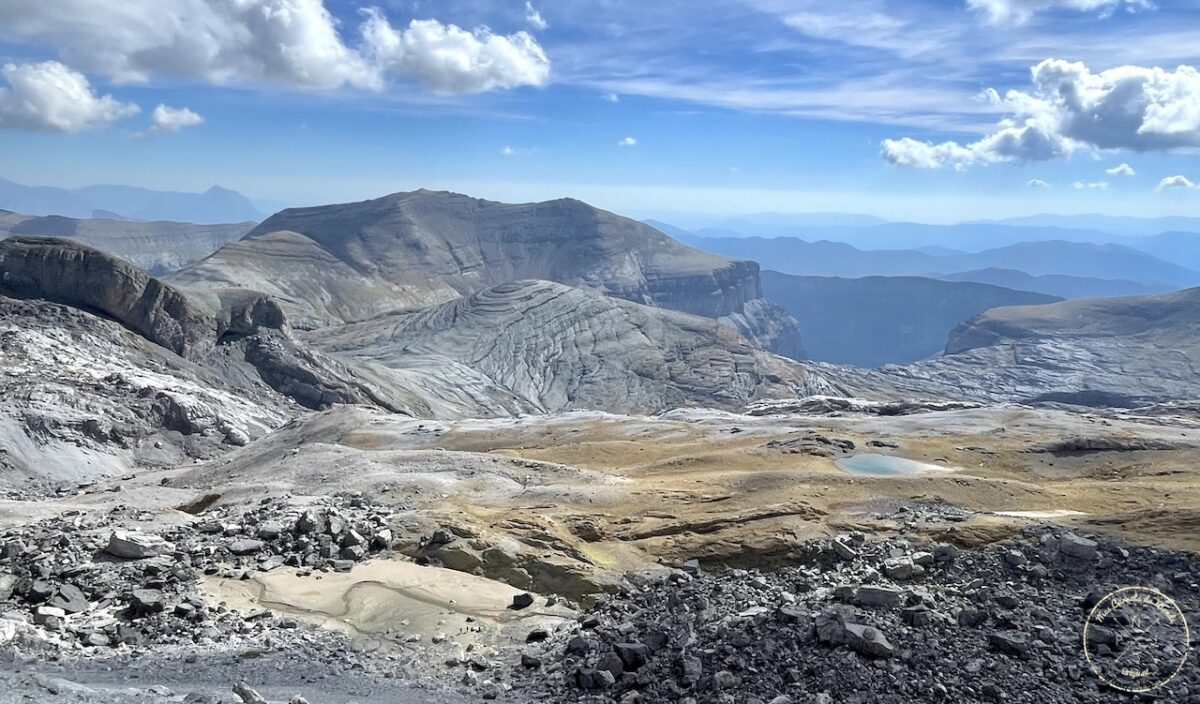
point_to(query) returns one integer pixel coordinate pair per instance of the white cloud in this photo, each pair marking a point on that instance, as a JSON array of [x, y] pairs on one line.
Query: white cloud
[[1176, 182], [1021, 11], [450, 59], [296, 43], [292, 42], [627, 142], [1071, 108], [1037, 183], [612, 97], [510, 150], [534, 18], [50, 96], [166, 119], [1121, 170], [1095, 185]]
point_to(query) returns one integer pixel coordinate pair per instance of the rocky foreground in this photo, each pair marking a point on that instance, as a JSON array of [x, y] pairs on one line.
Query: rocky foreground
[[844, 620]]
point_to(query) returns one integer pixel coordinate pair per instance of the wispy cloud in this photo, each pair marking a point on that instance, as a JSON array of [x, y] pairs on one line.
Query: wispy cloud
[[627, 142], [510, 150]]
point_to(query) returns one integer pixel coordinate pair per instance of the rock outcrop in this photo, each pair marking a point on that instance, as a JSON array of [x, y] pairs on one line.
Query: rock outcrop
[[350, 262], [77, 275], [543, 346]]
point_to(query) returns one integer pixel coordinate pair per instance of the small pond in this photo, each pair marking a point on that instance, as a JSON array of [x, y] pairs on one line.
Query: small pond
[[887, 466]]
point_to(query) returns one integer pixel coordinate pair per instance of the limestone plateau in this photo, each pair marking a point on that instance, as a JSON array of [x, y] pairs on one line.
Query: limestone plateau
[[430, 448]]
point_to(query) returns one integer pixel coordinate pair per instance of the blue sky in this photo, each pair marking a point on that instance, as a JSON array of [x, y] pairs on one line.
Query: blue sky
[[731, 106]]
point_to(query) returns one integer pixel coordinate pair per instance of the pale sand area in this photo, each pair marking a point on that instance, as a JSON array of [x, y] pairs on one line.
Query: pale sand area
[[385, 600]]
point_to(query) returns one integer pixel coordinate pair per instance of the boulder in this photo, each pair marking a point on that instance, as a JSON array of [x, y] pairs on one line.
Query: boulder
[[136, 546], [1076, 547], [868, 641]]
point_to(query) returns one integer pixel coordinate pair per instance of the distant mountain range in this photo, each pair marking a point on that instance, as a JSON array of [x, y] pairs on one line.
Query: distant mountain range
[[1077, 259], [1129, 226], [216, 205], [878, 320], [1057, 284]]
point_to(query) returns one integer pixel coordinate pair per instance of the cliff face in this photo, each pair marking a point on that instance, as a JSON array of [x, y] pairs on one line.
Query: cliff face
[[79, 276], [342, 263]]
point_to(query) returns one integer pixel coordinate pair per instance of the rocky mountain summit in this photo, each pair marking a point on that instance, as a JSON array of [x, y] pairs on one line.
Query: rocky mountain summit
[[348, 262]]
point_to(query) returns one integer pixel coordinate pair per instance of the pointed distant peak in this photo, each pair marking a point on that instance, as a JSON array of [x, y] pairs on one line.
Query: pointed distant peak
[[217, 190]]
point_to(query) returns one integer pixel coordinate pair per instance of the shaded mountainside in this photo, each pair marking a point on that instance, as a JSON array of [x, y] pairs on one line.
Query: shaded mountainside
[[1109, 351], [1051, 257], [537, 346], [349, 262], [877, 320], [157, 247]]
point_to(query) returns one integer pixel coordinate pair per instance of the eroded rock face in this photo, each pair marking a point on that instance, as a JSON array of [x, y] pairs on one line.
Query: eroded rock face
[[349, 262], [549, 347], [79, 276]]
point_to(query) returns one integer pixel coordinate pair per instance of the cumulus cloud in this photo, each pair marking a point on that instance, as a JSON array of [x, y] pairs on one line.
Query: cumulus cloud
[[1095, 185], [50, 96], [449, 59], [1071, 108], [627, 142], [1021, 11], [534, 18], [296, 43], [165, 120], [1176, 182], [1037, 183], [1121, 170]]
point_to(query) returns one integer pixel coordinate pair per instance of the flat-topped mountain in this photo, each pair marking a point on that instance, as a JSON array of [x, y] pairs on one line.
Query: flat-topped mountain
[[348, 262]]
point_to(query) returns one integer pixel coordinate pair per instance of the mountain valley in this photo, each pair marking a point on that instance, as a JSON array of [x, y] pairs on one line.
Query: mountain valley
[[453, 449]]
